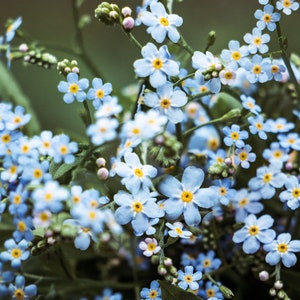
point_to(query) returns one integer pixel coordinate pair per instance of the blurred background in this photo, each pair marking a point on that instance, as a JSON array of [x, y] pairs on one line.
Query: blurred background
[[51, 24]]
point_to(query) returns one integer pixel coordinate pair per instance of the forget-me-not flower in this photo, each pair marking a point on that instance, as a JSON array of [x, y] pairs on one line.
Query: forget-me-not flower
[[186, 196], [287, 6], [267, 18], [207, 262], [73, 88], [234, 136], [11, 29], [291, 194], [160, 23], [189, 279], [100, 92], [168, 101], [282, 249], [157, 64], [152, 293], [257, 41], [242, 156], [20, 291], [255, 231]]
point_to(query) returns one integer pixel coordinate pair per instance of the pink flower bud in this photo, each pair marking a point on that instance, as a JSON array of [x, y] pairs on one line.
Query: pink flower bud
[[128, 23], [126, 11], [23, 47], [263, 275], [103, 173], [100, 162], [75, 70]]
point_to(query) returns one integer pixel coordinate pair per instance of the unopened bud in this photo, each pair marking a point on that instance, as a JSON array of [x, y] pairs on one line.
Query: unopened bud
[[101, 162], [23, 47], [278, 284], [211, 38], [103, 173], [264, 275], [126, 11], [161, 269], [226, 291], [168, 262], [128, 23]]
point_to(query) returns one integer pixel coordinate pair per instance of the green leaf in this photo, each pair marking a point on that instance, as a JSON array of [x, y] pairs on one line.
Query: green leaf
[[171, 292]]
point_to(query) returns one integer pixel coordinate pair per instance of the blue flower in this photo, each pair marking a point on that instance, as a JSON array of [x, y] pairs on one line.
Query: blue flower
[[73, 88], [189, 279], [176, 230], [136, 208], [17, 119], [289, 141], [207, 262], [287, 6], [276, 154], [258, 126], [156, 64], [257, 41], [15, 252], [23, 229], [5, 277], [267, 18], [153, 293], [291, 194], [234, 54], [282, 249], [103, 130], [246, 203], [99, 92], [160, 23], [11, 29], [168, 101], [63, 149], [211, 292], [280, 125], [267, 179], [223, 190], [254, 232], [135, 175], [243, 156], [20, 291], [108, 294], [257, 68], [185, 197], [234, 136], [277, 68]]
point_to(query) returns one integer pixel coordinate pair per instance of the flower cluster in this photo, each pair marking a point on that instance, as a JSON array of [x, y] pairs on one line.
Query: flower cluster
[[193, 184]]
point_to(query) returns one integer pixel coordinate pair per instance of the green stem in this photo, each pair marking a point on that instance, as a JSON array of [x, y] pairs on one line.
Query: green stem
[[182, 43], [132, 38], [88, 120], [178, 82]]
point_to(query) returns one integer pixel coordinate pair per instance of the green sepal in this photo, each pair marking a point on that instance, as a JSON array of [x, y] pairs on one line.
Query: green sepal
[[171, 292]]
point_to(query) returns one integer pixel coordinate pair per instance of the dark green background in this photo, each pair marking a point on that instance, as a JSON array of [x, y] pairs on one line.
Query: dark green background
[[51, 22]]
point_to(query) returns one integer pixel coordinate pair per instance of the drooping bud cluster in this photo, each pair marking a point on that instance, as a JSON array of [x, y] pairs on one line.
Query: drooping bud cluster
[[65, 67], [167, 270], [278, 292], [108, 13]]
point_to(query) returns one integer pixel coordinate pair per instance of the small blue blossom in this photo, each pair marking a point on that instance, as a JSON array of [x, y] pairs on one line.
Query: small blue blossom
[[108, 294], [136, 208], [135, 175], [176, 230], [257, 68], [276, 154], [156, 64], [242, 156], [287, 6], [250, 104], [267, 179], [279, 125], [245, 203], [15, 252], [267, 18], [291, 194], [100, 92], [277, 68], [73, 88], [23, 229], [17, 119], [63, 149], [211, 291], [234, 53], [282, 249], [103, 130], [152, 293], [185, 197], [258, 126], [189, 279], [289, 141], [255, 231], [223, 190], [11, 29], [257, 41], [149, 246], [168, 101], [234, 136], [160, 23], [207, 262], [20, 291]]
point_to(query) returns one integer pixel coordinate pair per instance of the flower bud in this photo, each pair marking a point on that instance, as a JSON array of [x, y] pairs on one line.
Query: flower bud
[[101, 162], [103, 173], [128, 23], [23, 47], [226, 291], [168, 262], [264, 275], [278, 284], [161, 269], [126, 11]]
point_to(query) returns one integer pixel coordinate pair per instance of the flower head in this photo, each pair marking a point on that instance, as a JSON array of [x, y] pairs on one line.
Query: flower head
[[189, 279]]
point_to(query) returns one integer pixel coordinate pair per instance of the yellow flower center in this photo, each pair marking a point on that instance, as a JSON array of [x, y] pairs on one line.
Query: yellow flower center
[[267, 177], [63, 150], [210, 293], [228, 75], [256, 69], [25, 148], [296, 192], [165, 103], [236, 55], [76, 199], [44, 216], [46, 144], [152, 294], [243, 202], [206, 263], [222, 191], [253, 230], [282, 247], [164, 21], [135, 131], [37, 173], [48, 196], [267, 18], [17, 199], [274, 69], [13, 169], [178, 230], [257, 41], [21, 226], [100, 94], [102, 129], [138, 172], [235, 135], [137, 206], [203, 89], [286, 3], [213, 144], [17, 120], [277, 154], [157, 63], [73, 88], [19, 294], [16, 253], [243, 155], [151, 246], [92, 214], [186, 196], [188, 278], [6, 138]]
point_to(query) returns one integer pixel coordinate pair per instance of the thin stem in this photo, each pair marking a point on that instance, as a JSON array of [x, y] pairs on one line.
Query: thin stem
[[178, 82], [132, 38]]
